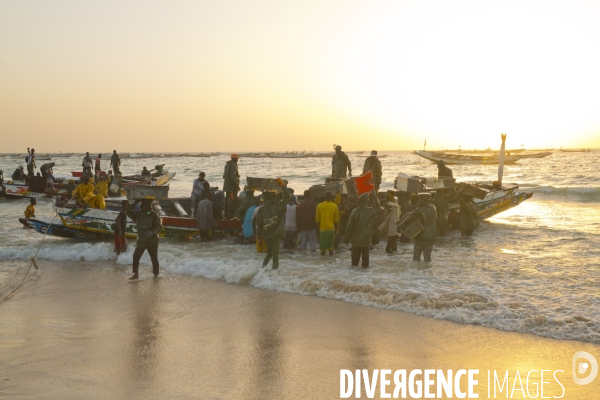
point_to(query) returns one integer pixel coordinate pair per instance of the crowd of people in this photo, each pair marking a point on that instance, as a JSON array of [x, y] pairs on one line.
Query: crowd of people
[[277, 217]]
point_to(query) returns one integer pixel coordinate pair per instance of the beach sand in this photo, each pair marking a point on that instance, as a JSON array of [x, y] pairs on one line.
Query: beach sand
[[83, 331]]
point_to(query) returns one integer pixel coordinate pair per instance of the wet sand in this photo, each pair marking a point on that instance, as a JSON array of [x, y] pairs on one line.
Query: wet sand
[[83, 331]]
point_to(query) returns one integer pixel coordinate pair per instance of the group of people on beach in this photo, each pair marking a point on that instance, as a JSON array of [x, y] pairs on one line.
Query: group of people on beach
[[278, 218]]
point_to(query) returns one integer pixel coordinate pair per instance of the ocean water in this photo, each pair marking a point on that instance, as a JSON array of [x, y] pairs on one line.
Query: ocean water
[[531, 269]]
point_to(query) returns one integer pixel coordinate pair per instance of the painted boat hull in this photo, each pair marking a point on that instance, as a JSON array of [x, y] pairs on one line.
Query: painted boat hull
[[463, 159]]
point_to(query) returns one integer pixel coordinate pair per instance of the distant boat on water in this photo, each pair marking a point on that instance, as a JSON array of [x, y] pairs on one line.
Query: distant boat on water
[[575, 150]]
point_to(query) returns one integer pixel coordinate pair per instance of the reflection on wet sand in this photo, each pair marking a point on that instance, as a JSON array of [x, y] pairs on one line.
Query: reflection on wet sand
[[143, 354], [268, 361]]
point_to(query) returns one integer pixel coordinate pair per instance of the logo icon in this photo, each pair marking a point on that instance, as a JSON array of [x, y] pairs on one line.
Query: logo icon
[[582, 367]]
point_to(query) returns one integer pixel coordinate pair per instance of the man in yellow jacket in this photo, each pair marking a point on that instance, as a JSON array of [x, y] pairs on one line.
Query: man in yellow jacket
[[328, 217], [84, 193], [102, 186]]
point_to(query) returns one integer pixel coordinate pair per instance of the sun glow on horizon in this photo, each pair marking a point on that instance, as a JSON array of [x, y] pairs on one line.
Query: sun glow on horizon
[[275, 76]]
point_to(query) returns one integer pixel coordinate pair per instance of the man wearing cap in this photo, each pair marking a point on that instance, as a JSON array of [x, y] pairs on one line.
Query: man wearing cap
[[148, 226], [197, 190], [231, 186], [427, 215], [340, 163], [373, 164]]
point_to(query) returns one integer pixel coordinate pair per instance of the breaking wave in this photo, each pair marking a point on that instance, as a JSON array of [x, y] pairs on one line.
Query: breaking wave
[[582, 194], [443, 290]]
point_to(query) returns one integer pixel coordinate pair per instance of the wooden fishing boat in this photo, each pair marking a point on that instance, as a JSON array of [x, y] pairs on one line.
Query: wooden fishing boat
[[175, 219], [463, 159], [575, 150]]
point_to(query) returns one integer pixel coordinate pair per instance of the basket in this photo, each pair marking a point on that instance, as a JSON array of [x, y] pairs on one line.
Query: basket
[[405, 183], [318, 191], [412, 229], [140, 192]]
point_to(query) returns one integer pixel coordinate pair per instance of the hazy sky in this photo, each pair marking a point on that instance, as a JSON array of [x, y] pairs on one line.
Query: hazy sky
[[298, 75]]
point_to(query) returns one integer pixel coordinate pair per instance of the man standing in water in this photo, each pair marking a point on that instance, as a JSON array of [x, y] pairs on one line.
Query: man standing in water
[[148, 227], [270, 224], [360, 228], [468, 214], [340, 163], [328, 217], [231, 186], [115, 162], [373, 164], [427, 215]]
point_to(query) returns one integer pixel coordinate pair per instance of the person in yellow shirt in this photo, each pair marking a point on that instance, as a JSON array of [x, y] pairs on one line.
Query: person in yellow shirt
[[30, 210], [102, 186], [328, 217], [84, 193]]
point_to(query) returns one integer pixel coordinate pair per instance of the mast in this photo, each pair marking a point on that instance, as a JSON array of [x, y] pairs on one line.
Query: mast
[[501, 163]]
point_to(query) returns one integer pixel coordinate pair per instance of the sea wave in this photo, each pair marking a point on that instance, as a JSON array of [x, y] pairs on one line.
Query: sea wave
[[582, 194], [442, 290]]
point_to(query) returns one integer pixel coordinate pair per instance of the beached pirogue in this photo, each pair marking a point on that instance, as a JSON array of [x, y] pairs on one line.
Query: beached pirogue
[[75, 221], [37, 186]]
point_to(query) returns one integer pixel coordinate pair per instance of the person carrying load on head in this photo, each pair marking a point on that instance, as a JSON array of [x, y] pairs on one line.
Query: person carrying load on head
[[340, 163], [426, 214], [115, 162], [360, 228], [148, 227], [270, 224], [373, 164], [328, 217], [84, 194], [30, 210], [120, 229], [19, 174], [30, 160], [388, 227], [231, 185]]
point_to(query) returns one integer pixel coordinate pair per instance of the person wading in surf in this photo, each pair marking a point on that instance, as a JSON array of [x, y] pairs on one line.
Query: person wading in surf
[[270, 224], [148, 227]]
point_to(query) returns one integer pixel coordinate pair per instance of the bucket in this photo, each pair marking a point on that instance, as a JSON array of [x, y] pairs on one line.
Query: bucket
[[364, 183]]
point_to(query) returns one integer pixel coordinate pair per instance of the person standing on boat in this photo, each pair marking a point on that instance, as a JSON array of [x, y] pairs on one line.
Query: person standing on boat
[[197, 189], [86, 163], [469, 218], [443, 170], [360, 227], [270, 224], [115, 162], [148, 226], [373, 164], [340, 163], [427, 215], [46, 170], [231, 186], [30, 160], [97, 165]]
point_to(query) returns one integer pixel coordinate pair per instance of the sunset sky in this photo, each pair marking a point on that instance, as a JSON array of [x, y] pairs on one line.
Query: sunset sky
[[298, 75]]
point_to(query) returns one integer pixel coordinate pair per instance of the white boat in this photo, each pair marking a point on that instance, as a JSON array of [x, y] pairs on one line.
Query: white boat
[[462, 159]]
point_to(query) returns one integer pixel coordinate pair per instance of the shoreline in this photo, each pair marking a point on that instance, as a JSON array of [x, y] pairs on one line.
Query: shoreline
[[75, 330]]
